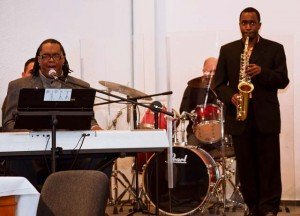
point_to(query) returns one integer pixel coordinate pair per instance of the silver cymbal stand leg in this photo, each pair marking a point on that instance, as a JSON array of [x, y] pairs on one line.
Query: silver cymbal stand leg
[[223, 165], [226, 172], [119, 177], [220, 187], [183, 130], [128, 188]]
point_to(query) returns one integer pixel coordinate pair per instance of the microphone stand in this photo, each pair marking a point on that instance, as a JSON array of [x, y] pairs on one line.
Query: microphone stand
[[156, 108], [136, 98], [139, 206], [156, 111], [129, 100]]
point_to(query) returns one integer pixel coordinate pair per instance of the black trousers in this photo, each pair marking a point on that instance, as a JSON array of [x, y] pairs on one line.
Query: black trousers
[[258, 165]]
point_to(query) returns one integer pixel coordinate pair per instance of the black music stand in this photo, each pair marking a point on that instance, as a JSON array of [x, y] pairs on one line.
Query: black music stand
[[36, 113]]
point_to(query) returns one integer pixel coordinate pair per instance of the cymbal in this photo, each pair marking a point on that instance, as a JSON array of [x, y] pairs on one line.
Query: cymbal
[[130, 92], [199, 82]]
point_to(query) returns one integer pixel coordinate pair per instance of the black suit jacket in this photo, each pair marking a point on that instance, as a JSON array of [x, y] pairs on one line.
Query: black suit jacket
[[270, 56], [11, 100]]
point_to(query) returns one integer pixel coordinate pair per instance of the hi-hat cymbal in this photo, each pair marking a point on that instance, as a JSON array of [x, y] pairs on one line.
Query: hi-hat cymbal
[[199, 82], [130, 92]]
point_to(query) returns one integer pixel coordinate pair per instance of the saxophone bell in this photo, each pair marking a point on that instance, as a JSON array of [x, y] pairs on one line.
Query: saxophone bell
[[245, 87]]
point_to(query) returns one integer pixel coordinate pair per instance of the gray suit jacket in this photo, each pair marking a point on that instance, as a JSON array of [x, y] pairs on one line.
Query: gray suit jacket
[[11, 100]]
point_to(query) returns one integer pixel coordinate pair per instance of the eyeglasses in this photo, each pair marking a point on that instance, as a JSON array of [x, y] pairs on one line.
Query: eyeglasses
[[251, 23], [47, 57]]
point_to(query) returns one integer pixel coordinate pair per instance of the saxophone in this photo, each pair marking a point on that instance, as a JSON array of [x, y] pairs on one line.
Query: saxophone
[[245, 86]]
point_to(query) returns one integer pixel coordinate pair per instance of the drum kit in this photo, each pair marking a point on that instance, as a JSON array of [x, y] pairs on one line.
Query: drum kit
[[200, 177]]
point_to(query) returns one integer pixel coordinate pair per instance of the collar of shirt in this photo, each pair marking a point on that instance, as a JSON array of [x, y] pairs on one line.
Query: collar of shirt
[[49, 83]]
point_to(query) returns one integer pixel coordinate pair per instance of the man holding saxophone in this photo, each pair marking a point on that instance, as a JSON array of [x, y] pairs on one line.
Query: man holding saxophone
[[249, 73]]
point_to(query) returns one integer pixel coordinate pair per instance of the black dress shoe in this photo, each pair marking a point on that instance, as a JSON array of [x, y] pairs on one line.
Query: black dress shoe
[[270, 214]]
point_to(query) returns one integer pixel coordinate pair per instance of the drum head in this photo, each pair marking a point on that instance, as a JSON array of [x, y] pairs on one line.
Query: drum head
[[192, 180], [207, 125], [208, 132]]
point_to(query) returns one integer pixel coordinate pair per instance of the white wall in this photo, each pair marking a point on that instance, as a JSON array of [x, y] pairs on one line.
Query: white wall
[[170, 39]]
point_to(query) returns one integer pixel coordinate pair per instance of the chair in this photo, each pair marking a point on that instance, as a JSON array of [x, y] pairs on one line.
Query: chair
[[74, 192]]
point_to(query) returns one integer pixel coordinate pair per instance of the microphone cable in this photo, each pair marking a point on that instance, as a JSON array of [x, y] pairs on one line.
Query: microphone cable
[[45, 158], [77, 151]]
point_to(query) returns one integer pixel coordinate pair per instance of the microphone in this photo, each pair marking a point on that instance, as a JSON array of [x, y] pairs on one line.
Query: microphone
[[52, 73], [156, 105]]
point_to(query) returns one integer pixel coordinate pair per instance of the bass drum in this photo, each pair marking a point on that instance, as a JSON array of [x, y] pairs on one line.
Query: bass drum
[[195, 173]]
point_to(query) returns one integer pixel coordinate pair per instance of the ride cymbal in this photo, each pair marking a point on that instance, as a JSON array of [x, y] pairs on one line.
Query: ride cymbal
[[199, 82], [130, 92]]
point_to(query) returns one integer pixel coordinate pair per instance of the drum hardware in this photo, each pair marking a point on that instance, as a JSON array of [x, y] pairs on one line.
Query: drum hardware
[[118, 202], [156, 107], [123, 180], [128, 111], [120, 177], [219, 189], [138, 204], [115, 120], [182, 122], [218, 195], [133, 100]]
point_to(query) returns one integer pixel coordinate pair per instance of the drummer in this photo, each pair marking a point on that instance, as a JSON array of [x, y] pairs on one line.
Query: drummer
[[195, 94]]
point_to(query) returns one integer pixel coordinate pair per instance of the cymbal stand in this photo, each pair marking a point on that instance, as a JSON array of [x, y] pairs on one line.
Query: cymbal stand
[[183, 141], [119, 177], [219, 188], [139, 206], [128, 189]]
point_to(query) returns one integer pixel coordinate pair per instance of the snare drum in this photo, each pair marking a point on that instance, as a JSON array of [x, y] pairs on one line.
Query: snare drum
[[148, 120], [207, 125], [195, 173]]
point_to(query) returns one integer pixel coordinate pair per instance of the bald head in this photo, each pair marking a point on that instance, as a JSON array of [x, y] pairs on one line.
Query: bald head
[[210, 65]]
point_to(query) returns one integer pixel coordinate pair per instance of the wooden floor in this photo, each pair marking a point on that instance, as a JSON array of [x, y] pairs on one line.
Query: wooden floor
[[127, 209]]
